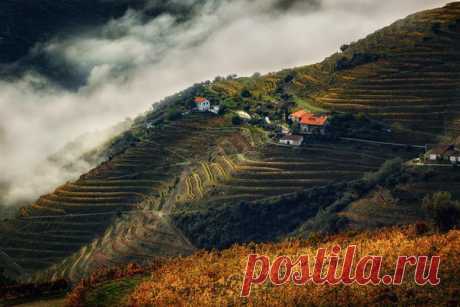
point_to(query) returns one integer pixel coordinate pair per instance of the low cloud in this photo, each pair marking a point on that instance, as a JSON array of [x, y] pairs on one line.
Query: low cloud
[[132, 61]]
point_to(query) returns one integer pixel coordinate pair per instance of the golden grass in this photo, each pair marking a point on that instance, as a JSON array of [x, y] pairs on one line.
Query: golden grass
[[215, 278]]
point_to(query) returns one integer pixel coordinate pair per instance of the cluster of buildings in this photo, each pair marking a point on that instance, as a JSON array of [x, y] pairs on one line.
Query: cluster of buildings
[[303, 122], [444, 153], [306, 123]]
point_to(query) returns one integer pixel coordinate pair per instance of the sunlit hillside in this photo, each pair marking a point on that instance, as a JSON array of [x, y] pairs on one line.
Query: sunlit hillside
[[215, 278]]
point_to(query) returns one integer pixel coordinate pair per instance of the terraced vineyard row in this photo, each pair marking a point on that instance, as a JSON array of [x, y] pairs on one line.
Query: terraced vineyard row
[[416, 86], [72, 219], [282, 170]]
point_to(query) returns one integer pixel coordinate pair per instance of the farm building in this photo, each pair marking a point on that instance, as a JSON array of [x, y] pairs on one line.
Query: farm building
[[444, 152], [313, 124], [215, 109], [294, 140], [453, 155], [202, 104], [309, 122], [296, 117]]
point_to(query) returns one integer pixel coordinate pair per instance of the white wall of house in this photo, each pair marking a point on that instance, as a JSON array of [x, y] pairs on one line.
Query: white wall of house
[[291, 142], [307, 129], [204, 106]]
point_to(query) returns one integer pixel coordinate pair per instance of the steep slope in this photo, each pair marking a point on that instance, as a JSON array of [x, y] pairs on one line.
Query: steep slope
[[415, 81], [139, 183], [405, 74], [175, 182]]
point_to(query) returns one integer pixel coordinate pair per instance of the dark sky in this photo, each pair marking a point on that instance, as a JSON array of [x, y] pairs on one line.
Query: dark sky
[[23, 23]]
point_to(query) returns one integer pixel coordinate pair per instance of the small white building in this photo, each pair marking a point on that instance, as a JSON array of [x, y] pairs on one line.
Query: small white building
[[293, 140], [215, 109], [433, 157], [243, 115], [453, 156], [202, 104]]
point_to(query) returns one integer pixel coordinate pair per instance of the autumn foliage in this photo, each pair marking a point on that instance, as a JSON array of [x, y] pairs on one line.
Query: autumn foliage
[[215, 278], [76, 298]]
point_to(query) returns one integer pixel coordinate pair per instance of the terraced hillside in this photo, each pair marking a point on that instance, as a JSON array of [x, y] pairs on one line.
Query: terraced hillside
[[271, 193], [406, 74], [277, 170], [78, 216], [416, 80], [192, 180]]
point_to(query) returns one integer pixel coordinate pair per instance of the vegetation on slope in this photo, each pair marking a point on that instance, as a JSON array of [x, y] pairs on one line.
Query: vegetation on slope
[[216, 180], [405, 75], [215, 278], [222, 224]]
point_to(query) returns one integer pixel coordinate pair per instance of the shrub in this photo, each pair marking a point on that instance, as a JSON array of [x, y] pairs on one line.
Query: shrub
[[442, 210], [246, 93], [173, 115], [344, 47], [236, 120], [356, 60], [388, 168], [421, 228], [436, 27]]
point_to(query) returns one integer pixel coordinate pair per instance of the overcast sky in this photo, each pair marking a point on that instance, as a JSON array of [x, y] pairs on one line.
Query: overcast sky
[[123, 65]]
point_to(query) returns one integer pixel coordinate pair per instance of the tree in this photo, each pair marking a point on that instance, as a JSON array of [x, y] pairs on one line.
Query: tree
[[173, 115], [442, 210], [4, 280], [246, 93], [236, 120], [344, 47]]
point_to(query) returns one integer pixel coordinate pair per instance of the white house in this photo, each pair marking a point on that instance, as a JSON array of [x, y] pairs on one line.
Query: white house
[[294, 140], [202, 104], [440, 152], [312, 124], [433, 157], [453, 156]]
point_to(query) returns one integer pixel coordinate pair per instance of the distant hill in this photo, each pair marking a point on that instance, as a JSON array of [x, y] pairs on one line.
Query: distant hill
[[179, 181]]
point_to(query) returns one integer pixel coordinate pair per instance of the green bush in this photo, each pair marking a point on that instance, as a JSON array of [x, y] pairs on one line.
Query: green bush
[[442, 210], [236, 120], [246, 94], [173, 115]]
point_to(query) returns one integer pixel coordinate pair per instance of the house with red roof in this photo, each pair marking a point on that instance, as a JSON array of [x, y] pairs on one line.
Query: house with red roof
[[309, 122], [297, 116], [202, 104]]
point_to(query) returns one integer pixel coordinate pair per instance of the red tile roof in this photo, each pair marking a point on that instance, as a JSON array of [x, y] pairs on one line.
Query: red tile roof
[[200, 100], [313, 120], [301, 113]]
